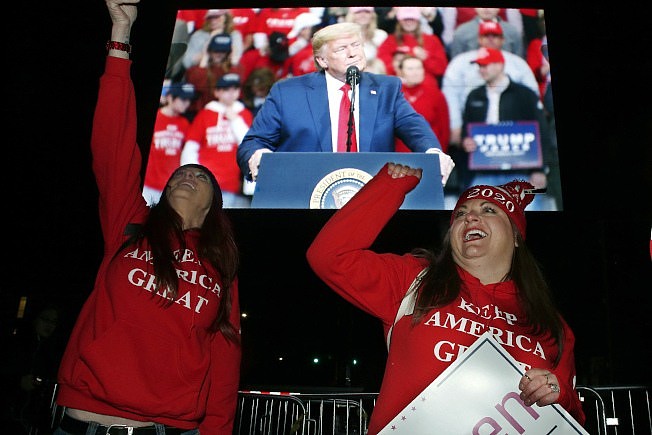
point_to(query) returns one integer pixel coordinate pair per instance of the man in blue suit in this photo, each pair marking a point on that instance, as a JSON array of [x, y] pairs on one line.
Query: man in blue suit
[[301, 113]]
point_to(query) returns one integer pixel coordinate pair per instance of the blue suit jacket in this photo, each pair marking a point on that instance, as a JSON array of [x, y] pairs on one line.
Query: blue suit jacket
[[295, 117]]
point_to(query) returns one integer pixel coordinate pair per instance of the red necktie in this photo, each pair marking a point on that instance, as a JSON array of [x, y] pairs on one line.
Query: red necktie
[[343, 126]]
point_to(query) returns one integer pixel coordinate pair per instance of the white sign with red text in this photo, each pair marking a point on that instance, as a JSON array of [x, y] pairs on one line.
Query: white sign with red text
[[478, 394]]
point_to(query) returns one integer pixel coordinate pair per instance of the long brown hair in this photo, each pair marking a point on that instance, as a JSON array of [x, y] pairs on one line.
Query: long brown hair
[[441, 285], [399, 33], [229, 25]]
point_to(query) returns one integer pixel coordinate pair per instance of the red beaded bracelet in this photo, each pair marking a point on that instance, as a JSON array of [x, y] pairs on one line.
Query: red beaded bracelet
[[115, 45]]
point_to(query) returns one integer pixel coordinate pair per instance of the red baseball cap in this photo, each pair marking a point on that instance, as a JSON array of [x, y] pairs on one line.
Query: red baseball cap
[[486, 56], [490, 28], [512, 198]]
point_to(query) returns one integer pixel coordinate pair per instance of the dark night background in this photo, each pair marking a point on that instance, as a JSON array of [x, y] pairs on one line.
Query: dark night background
[[596, 252]]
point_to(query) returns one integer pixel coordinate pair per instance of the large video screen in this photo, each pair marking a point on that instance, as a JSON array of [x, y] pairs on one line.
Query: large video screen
[[479, 77]]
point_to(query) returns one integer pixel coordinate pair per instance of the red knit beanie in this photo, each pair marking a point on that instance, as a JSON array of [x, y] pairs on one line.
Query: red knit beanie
[[512, 198]]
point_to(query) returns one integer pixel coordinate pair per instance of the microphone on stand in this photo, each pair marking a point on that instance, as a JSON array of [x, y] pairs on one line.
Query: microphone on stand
[[352, 78], [352, 75]]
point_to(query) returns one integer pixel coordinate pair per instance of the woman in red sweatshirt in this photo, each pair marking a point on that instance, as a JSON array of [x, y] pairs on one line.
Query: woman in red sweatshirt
[[156, 347], [484, 279]]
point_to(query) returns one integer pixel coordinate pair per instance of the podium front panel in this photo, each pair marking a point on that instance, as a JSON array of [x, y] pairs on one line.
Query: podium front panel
[[328, 180]]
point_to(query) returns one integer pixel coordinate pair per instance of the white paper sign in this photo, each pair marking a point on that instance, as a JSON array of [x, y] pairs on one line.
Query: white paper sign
[[478, 394]]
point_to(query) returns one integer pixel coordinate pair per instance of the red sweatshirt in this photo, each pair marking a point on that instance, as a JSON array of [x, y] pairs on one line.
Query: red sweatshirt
[[165, 149], [436, 62], [376, 283], [128, 355]]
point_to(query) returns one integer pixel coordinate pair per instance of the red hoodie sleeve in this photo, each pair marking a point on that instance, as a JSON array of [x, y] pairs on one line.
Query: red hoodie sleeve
[[225, 376], [340, 255], [116, 156], [385, 53], [436, 62], [565, 372]]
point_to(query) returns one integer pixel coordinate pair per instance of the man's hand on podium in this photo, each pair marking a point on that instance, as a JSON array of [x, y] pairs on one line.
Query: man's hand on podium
[[446, 164], [254, 161]]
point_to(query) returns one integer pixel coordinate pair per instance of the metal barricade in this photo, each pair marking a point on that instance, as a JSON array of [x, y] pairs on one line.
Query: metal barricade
[[262, 413], [339, 413], [616, 410], [612, 410], [265, 412], [593, 406]]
